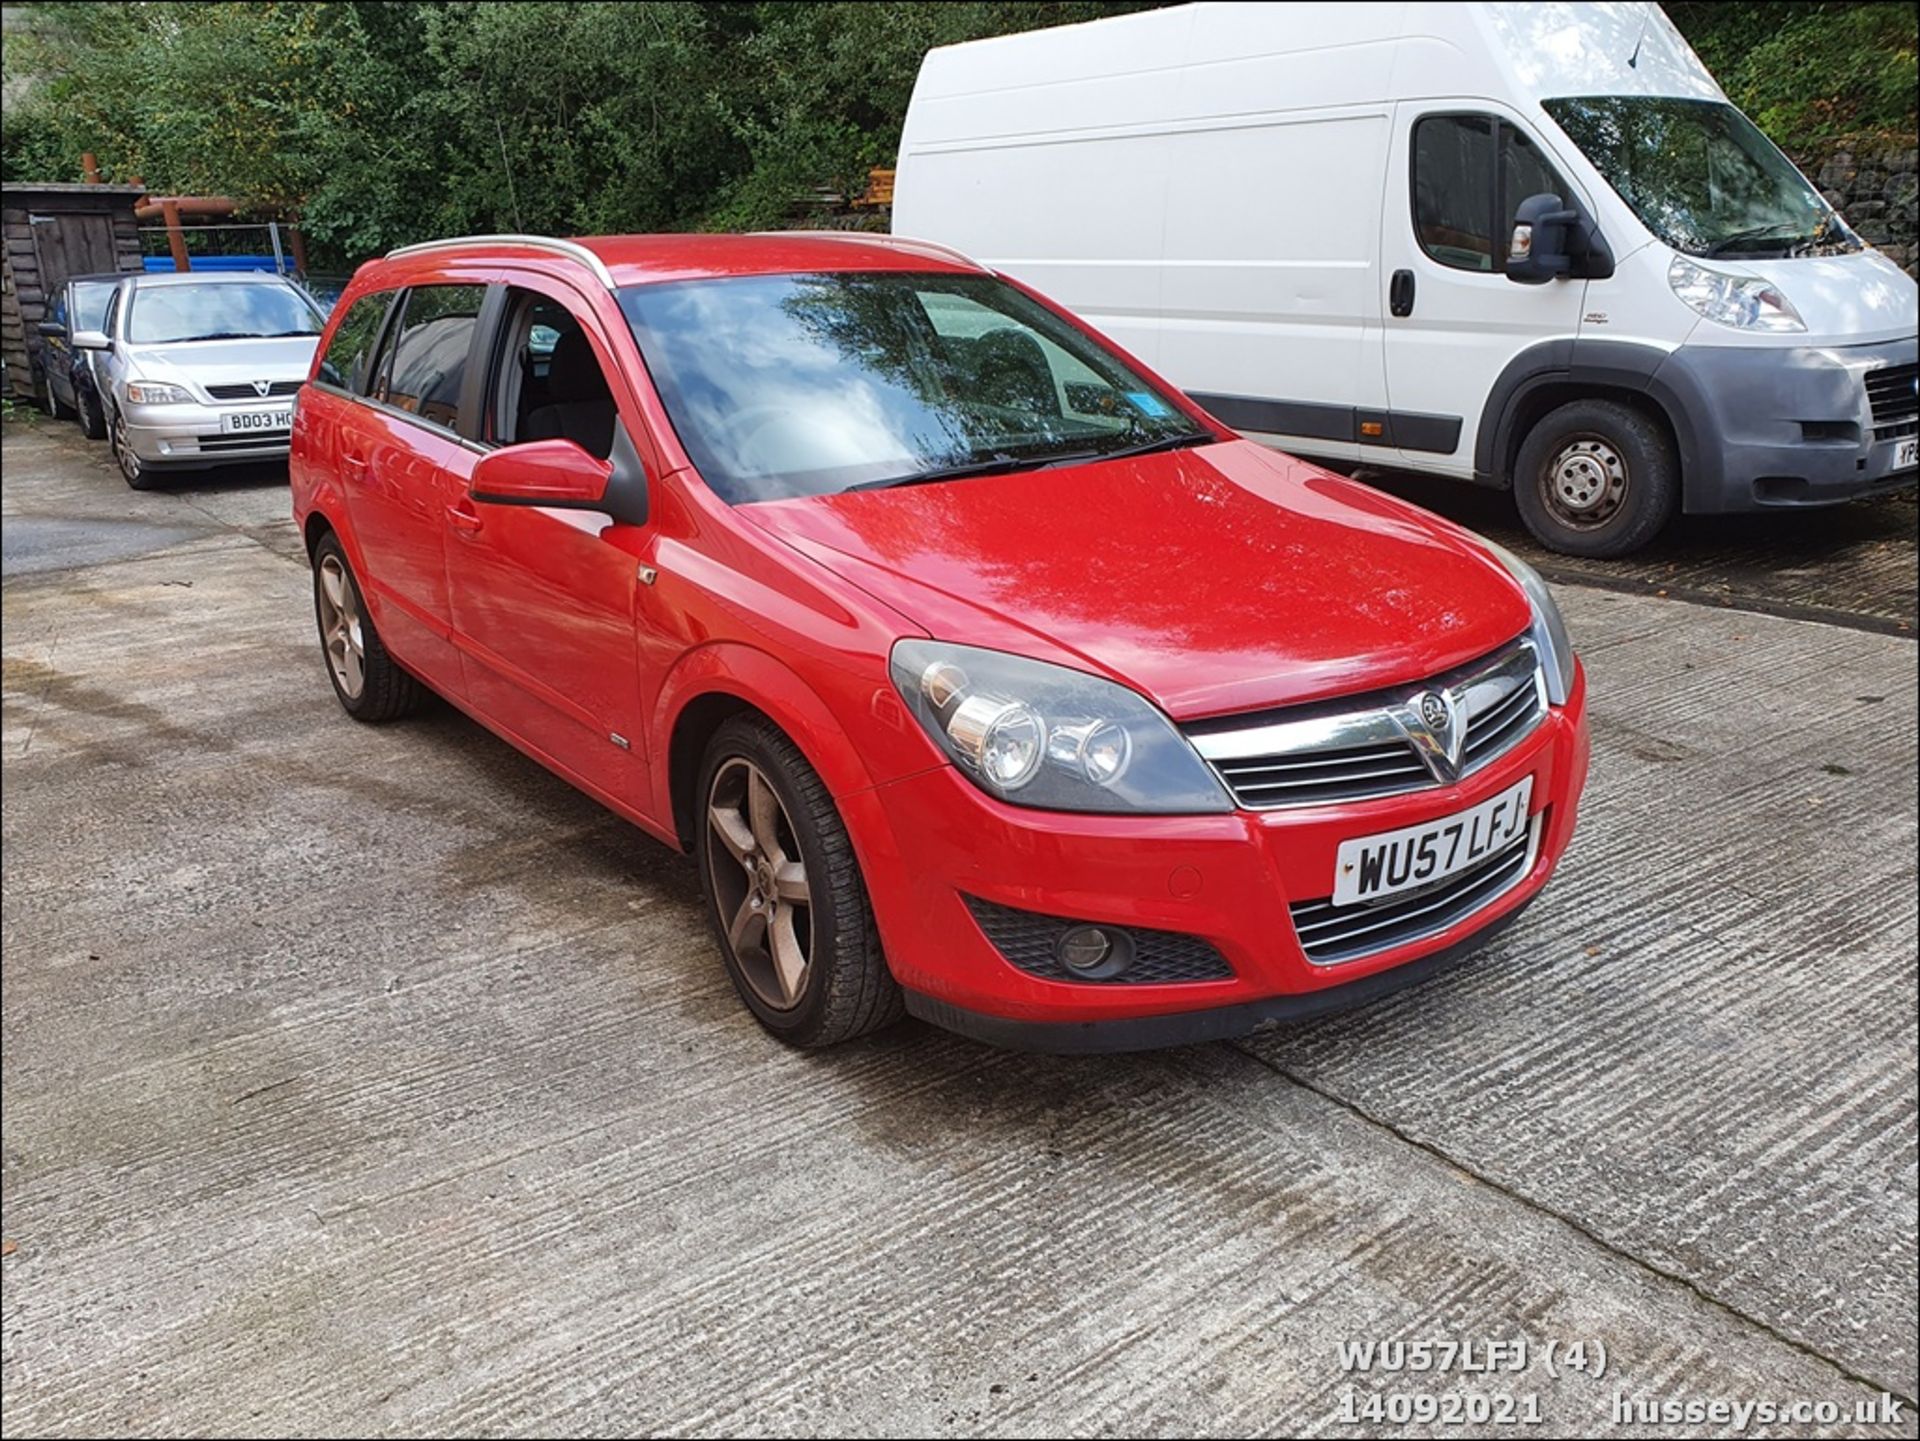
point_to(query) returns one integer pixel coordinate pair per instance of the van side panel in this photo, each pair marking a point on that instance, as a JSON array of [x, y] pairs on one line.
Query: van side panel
[[1270, 296]]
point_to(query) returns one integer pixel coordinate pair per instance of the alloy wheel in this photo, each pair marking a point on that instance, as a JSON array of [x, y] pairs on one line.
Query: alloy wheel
[[1585, 485], [123, 455], [759, 883], [341, 628]]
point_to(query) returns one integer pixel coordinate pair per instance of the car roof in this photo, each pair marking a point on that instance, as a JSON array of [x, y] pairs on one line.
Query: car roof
[[620, 260], [144, 278]]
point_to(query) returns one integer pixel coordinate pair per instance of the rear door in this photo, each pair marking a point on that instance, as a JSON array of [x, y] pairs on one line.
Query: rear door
[[1454, 320], [544, 604], [404, 465]]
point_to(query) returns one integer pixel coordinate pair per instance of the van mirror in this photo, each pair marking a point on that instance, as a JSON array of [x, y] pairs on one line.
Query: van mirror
[[91, 340], [1553, 240], [560, 475], [1537, 251]]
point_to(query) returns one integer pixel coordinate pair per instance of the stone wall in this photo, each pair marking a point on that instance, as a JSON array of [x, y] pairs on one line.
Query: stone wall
[[1875, 187]]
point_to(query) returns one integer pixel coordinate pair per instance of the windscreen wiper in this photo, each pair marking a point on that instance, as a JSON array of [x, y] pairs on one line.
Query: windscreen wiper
[[1145, 447], [1719, 246], [216, 335], [998, 465]]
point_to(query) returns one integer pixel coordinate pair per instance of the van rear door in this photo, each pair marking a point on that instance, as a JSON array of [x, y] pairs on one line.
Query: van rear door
[[1453, 320]]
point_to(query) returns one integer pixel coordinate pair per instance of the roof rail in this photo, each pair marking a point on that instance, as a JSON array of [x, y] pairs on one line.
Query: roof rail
[[907, 243], [572, 249]]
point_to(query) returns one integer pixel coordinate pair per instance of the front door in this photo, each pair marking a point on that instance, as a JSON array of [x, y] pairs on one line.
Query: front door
[[1454, 320], [544, 605]]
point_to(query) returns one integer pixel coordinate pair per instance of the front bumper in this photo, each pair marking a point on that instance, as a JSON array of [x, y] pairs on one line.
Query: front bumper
[[189, 435], [931, 839], [1784, 427]]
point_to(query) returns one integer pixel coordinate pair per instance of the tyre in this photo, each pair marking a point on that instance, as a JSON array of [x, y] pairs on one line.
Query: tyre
[[50, 402], [370, 686], [91, 422], [1596, 478], [785, 894], [133, 470]]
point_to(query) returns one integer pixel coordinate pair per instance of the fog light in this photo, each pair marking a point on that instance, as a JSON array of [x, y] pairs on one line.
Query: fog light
[[1093, 952]]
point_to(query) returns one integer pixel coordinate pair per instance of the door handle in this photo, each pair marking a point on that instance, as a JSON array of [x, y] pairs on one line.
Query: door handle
[[466, 521], [1400, 293], [353, 467]]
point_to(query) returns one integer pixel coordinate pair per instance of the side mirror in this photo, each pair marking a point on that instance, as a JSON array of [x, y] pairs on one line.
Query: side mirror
[[52, 329], [559, 474], [1553, 240], [91, 340], [1537, 250]]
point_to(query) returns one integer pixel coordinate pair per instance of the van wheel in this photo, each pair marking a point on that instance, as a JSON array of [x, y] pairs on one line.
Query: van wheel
[[370, 686], [1596, 478], [785, 894]]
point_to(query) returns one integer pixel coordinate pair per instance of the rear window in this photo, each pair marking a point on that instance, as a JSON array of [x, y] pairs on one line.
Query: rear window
[[430, 351], [348, 362]]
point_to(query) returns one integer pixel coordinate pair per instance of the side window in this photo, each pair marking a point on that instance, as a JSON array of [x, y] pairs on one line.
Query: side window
[[348, 362], [427, 362], [59, 315], [113, 314], [1453, 184], [1463, 201], [548, 383]]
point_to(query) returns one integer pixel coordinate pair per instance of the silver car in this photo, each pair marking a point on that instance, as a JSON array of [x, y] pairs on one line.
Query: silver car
[[200, 369]]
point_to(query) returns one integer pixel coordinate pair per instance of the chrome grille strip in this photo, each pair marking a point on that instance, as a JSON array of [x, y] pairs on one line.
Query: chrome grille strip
[[1369, 746]]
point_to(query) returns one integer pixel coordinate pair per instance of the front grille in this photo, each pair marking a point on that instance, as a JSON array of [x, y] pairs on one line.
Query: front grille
[[250, 441], [1360, 747], [1892, 398], [1027, 939], [245, 391], [1330, 934]]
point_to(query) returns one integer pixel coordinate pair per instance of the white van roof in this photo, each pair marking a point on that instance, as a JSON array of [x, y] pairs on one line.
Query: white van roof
[[1266, 57]]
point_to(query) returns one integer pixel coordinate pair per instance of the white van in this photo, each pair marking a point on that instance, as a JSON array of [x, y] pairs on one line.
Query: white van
[[1529, 245]]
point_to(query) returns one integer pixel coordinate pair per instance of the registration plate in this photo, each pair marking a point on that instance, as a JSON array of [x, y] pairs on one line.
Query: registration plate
[[1906, 455], [246, 422], [1372, 867]]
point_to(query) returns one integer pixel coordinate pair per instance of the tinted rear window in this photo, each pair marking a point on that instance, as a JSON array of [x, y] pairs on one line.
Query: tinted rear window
[[348, 362]]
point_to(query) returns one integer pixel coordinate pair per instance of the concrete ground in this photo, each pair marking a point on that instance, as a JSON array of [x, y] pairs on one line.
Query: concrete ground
[[368, 1081]]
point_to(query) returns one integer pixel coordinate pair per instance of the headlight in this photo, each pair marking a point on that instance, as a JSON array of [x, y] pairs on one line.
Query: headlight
[[1742, 302], [1549, 631], [154, 392], [1042, 735]]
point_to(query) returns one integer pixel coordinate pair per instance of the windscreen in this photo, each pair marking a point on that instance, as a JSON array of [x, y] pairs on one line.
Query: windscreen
[[165, 314], [1701, 176], [790, 385]]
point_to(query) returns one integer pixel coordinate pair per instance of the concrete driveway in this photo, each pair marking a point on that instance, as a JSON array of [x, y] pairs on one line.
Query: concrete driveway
[[365, 1081]]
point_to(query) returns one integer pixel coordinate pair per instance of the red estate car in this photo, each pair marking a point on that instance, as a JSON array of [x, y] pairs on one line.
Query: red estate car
[[984, 675]]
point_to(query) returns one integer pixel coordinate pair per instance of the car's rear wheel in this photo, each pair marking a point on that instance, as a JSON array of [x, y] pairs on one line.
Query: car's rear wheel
[[785, 893], [370, 686], [50, 399], [91, 421], [133, 470], [1596, 478]]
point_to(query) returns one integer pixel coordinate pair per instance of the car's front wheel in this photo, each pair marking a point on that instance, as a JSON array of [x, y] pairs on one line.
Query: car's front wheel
[[785, 893], [133, 470], [91, 421], [370, 686]]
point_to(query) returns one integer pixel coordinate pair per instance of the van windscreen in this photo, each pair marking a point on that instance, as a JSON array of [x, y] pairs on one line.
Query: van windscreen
[[1701, 176]]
